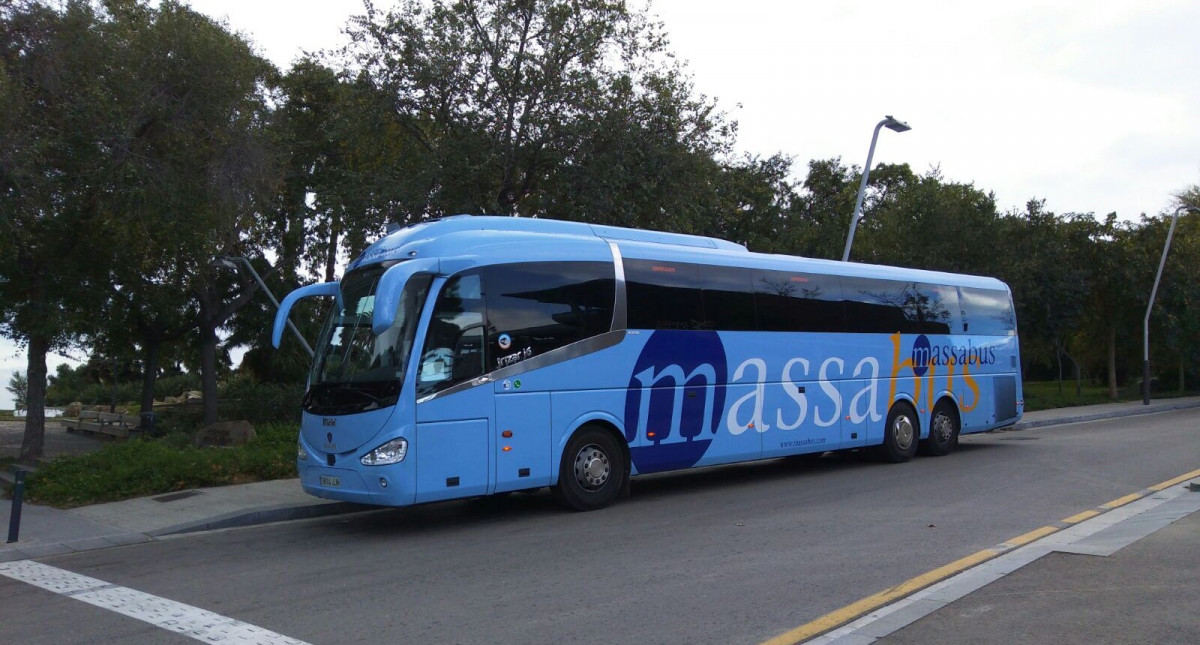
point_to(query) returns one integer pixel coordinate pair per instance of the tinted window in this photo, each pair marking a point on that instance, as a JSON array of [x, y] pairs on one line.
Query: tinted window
[[890, 306], [454, 349], [534, 308], [798, 302], [680, 295], [988, 312]]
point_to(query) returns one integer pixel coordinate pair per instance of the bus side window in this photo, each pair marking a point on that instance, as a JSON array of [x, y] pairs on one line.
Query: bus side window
[[989, 311], [687, 296], [453, 350], [537, 307]]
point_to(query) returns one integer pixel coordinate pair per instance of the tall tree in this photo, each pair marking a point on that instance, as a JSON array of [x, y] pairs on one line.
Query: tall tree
[[136, 133], [927, 222], [193, 171], [824, 208], [514, 105], [1112, 316], [54, 150]]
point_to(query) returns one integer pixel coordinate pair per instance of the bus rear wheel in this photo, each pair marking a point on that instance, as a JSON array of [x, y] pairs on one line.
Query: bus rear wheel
[[900, 434], [592, 472], [943, 432]]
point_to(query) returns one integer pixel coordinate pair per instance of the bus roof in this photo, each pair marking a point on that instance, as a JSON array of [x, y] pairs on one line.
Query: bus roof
[[471, 240]]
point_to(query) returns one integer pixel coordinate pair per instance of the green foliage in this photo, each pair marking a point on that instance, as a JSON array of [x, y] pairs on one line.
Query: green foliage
[[1045, 395], [562, 108], [19, 387], [84, 384], [138, 468], [245, 398]]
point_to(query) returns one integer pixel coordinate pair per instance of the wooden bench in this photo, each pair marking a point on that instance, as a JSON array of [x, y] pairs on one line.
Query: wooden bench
[[114, 424]]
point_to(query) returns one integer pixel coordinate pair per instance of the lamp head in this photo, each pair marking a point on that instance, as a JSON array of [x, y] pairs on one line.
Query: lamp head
[[894, 124]]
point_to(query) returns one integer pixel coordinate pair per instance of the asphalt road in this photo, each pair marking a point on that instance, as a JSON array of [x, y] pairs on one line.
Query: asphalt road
[[724, 555]]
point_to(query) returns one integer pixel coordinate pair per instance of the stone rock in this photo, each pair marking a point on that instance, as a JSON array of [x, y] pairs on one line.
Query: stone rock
[[191, 395], [73, 409], [225, 433]]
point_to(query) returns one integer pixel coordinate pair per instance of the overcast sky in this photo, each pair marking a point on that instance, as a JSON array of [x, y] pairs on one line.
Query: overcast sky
[[1090, 105]]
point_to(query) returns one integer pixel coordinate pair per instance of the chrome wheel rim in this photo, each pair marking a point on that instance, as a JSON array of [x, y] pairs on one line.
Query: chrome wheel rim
[[943, 428], [592, 467], [902, 432]]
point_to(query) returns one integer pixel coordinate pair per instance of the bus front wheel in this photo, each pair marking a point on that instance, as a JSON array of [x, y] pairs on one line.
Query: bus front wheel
[[592, 471], [900, 434]]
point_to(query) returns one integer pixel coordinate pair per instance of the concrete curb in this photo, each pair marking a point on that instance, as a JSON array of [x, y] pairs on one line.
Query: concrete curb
[[28, 551], [1109, 414], [263, 515]]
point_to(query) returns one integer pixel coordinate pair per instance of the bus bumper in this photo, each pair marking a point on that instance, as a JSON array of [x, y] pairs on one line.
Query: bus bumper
[[380, 487]]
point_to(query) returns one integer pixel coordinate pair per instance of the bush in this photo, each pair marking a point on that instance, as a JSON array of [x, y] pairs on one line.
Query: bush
[[101, 394], [151, 467], [174, 385], [241, 397]]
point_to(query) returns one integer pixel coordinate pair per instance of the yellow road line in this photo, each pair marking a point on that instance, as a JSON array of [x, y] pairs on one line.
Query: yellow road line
[[1079, 517], [844, 615], [1121, 501], [1022, 540], [1178, 480], [875, 601]]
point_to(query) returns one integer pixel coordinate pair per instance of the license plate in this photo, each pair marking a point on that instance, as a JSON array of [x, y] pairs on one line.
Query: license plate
[[332, 482]]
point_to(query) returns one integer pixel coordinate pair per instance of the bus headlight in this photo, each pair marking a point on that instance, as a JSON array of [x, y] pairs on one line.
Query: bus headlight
[[389, 453]]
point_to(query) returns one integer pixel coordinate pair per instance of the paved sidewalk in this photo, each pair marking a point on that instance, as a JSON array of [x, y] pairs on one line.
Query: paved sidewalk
[[1146, 592], [1059, 416], [49, 531]]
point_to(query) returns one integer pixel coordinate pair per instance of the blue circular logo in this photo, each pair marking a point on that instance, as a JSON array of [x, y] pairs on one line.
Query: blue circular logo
[[922, 355], [505, 341], [676, 399]]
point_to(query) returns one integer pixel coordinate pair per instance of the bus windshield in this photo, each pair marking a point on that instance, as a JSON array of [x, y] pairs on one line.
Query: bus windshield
[[354, 370]]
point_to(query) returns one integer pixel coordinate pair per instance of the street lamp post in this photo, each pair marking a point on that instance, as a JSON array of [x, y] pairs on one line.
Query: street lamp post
[[1150, 305], [232, 263], [890, 123]]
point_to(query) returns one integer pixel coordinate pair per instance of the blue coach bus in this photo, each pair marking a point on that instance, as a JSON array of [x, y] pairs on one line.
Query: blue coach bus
[[476, 355]]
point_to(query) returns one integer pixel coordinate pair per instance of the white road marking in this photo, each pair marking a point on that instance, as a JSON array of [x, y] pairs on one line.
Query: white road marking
[[200, 624]]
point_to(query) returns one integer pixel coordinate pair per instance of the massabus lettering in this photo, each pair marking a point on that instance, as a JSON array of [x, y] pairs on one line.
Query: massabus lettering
[[863, 405], [673, 376]]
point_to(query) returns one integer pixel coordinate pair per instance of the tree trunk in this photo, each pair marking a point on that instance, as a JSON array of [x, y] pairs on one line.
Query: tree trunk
[[150, 375], [1112, 363], [331, 252], [1058, 357], [208, 371], [34, 442], [1076, 372], [112, 406]]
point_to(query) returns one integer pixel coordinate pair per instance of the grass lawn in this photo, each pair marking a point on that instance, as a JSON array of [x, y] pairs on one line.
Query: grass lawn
[[1044, 395], [149, 467]]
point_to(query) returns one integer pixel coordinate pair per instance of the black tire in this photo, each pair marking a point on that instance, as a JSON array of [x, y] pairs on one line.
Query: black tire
[[943, 431], [593, 471], [900, 434]]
